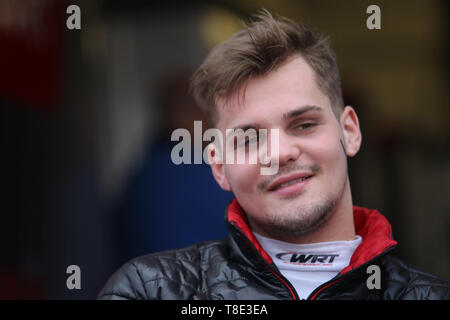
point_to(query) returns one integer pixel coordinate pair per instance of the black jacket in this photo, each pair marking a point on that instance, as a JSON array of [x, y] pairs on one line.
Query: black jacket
[[239, 268]]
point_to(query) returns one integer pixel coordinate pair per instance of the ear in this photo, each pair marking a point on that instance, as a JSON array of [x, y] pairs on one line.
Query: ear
[[351, 131], [217, 167]]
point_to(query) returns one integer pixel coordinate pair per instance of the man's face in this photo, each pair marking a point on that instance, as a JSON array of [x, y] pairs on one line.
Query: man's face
[[312, 176]]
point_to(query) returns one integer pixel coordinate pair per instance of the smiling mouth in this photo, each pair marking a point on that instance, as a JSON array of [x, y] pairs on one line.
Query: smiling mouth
[[289, 183]]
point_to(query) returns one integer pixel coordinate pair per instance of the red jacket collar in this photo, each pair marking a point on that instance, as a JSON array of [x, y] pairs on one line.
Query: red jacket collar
[[371, 225]]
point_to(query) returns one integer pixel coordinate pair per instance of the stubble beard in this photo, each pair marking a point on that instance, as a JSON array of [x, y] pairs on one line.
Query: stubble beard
[[303, 222], [299, 221]]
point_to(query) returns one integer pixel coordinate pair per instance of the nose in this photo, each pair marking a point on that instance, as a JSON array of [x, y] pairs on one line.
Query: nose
[[288, 148]]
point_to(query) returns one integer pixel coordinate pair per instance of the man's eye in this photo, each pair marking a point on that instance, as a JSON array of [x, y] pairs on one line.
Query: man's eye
[[306, 125]]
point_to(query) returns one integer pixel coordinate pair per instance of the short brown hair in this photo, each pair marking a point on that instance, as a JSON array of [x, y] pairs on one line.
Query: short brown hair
[[262, 46]]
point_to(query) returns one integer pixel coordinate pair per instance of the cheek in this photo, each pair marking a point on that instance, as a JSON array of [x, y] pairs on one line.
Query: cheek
[[242, 178], [327, 151]]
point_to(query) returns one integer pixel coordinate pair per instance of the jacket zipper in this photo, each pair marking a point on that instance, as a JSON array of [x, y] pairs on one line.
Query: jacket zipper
[[323, 286], [285, 282], [339, 276], [280, 277]]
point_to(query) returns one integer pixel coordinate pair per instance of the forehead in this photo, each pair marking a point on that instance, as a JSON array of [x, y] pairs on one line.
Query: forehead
[[265, 99]]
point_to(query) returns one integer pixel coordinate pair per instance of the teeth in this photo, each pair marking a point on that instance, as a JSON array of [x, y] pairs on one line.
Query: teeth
[[290, 182]]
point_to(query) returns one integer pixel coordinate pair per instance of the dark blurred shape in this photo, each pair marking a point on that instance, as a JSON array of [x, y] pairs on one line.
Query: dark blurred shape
[[168, 206], [178, 109]]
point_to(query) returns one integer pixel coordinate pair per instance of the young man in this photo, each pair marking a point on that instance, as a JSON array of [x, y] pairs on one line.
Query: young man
[[294, 234]]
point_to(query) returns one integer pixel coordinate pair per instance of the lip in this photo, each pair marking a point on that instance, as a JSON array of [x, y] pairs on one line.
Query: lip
[[293, 188]]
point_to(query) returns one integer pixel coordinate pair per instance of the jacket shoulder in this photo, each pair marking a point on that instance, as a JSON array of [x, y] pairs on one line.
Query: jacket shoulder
[[405, 282], [174, 274]]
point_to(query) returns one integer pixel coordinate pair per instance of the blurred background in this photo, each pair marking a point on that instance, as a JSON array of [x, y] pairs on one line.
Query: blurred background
[[86, 118]]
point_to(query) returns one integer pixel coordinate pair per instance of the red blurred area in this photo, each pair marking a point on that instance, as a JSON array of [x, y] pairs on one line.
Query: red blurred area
[[15, 285], [31, 50]]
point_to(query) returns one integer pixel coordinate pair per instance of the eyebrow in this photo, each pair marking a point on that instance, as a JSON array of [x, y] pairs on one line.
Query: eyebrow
[[286, 116], [301, 110]]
